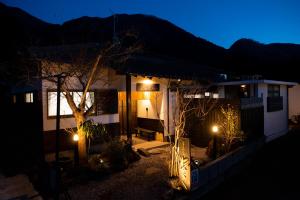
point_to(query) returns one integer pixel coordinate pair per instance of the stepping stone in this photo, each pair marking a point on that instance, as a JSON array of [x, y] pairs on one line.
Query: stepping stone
[[143, 152]]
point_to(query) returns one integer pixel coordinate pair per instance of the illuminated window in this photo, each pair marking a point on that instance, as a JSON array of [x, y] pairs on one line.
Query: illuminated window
[[215, 95], [65, 109], [29, 97], [193, 96], [207, 94]]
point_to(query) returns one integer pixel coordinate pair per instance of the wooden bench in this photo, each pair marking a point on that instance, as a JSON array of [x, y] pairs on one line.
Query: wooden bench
[[149, 134]]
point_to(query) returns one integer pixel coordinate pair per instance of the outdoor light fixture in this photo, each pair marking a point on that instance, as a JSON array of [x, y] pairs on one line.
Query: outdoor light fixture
[[147, 81], [75, 137], [215, 129], [243, 86], [76, 153]]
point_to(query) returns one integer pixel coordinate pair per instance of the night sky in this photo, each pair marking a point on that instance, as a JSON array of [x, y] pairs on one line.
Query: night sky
[[219, 21]]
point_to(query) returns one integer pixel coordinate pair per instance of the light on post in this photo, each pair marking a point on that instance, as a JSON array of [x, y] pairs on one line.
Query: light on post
[[215, 129], [76, 154], [75, 137]]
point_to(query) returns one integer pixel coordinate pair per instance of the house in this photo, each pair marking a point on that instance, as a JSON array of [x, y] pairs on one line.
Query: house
[[270, 95], [146, 80], [294, 99]]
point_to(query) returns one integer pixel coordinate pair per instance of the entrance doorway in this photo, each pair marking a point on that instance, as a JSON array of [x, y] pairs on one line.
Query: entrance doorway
[[146, 116]]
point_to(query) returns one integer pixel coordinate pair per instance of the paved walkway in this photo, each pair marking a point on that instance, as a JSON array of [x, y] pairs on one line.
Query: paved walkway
[[17, 187], [150, 145]]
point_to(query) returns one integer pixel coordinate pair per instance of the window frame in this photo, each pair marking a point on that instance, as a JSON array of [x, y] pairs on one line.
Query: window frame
[[272, 91], [30, 97], [69, 115]]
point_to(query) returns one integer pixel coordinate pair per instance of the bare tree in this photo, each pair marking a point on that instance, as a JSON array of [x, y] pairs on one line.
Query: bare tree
[[230, 126], [82, 73], [189, 100]]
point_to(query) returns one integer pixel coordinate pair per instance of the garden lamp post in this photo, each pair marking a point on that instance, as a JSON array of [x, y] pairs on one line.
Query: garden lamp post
[[76, 155], [215, 131]]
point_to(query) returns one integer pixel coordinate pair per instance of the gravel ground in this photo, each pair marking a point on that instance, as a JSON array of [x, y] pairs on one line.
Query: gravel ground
[[144, 179]]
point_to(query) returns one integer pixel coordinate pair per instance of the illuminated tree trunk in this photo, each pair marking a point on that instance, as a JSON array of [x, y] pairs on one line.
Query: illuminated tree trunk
[[82, 150]]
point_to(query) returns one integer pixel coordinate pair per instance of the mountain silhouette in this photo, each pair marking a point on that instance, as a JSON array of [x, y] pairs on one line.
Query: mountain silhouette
[[276, 61], [159, 37]]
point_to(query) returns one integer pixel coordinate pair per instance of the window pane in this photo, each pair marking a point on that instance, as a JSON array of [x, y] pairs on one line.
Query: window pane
[[273, 90], [89, 99], [64, 106], [29, 97], [51, 103]]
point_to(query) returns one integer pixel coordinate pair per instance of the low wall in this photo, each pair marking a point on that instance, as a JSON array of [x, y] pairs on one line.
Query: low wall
[[207, 177]]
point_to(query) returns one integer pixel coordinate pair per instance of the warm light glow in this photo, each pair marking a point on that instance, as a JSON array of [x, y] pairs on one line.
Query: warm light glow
[[215, 129], [29, 97], [147, 81], [147, 95], [75, 137], [215, 95], [207, 94], [243, 86], [64, 106]]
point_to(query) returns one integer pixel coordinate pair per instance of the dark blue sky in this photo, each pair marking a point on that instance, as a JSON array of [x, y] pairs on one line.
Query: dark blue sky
[[219, 21]]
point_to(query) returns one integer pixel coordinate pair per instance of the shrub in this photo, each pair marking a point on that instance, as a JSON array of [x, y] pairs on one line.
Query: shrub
[[120, 154], [97, 163], [95, 131]]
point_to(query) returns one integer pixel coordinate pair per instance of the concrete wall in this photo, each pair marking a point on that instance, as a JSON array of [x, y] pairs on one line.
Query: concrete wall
[[275, 123], [294, 101]]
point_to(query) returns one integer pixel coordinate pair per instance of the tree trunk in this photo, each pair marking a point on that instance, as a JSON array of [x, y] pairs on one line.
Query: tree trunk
[[82, 150]]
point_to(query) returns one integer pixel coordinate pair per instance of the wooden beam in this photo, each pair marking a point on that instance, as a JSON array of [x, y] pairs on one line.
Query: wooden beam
[[128, 108]]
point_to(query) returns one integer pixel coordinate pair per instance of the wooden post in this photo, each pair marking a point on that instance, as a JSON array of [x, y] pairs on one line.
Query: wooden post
[[57, 147], [57, 120], [128, 107]]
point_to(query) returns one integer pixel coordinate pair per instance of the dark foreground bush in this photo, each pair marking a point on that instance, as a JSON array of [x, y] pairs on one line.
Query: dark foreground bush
[[117, 156]]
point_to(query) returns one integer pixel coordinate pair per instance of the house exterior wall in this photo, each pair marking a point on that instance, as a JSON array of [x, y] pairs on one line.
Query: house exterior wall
[[294, 99], [275, 123], [69, 122], [156, 102], [221, 92]]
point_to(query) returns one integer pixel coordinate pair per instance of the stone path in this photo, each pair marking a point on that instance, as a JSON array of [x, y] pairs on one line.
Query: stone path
[[150, 145], [17, 187]]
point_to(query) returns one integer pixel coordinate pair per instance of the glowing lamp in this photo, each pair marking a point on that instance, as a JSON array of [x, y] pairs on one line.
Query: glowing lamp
[[75, 137], [147, 81], [215, 129]]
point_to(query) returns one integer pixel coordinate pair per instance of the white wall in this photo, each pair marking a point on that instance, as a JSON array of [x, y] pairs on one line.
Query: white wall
[[152, 104], [49, 123], [275, 123], [294, 101], [221, 91]]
